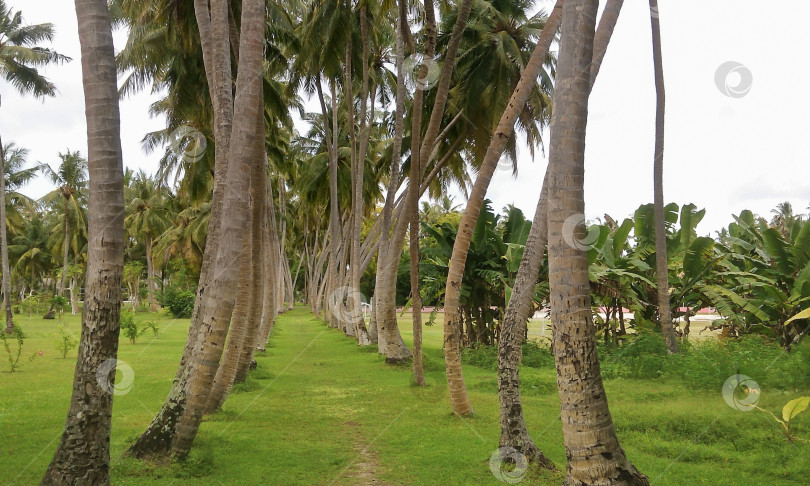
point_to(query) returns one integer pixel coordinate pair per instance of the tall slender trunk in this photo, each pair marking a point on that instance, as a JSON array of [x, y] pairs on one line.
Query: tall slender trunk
[[224, 378], [258, 284], [65, 250], [177, 423], [661, 272], [514, 432], [391, 343], [151, 279], [218, 301], [592, 448], [458, 392], [357, 179], [6, 285], [83, 454], [269, 305]]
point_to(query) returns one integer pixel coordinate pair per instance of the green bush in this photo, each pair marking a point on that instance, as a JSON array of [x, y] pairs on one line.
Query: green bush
[[179, 302], [65, 341], [129, 328], [13, 350]]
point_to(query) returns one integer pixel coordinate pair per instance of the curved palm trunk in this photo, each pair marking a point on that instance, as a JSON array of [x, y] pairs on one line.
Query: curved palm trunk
[[452, 317], [514, 432], [65, 250], [83, 455], [258, 284], [155, 441], [592, 448], [218, 301], [178, 421], [358, 322], [661, 272], [269, 305], [6, 285], [226, 373], [151, 283]]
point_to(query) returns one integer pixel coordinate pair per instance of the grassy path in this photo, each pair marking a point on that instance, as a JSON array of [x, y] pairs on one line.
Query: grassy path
[[318, 410]]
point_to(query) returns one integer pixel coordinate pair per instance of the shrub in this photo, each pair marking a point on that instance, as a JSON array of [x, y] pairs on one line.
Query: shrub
[[13, 355], [152, 326], [129, 328], [179, 302], [65, 341]]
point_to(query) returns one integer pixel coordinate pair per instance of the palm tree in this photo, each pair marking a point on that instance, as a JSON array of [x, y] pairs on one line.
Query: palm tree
[[83, 455], [20, 56], [30, 249], [147, 218], [784, 218], [71, 181], [592, 448], [517, 103], [174, 428], [661, 272]]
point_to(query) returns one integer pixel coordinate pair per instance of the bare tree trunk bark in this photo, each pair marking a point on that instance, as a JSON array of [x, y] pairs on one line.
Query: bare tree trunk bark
[[156, 440], [83, 454], [514, 432], [217, 303], [151, 279], [592, 448], [6, 269], [455, 378], [661, 271]]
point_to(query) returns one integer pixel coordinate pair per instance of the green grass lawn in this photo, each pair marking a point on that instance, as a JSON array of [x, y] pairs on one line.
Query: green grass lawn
[[320, 410]]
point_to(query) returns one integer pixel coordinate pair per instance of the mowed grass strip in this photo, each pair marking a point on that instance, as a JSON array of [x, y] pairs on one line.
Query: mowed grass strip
[[318, 409]]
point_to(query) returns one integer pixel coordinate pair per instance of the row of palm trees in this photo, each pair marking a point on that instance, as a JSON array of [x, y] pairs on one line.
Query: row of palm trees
[[341, 195]]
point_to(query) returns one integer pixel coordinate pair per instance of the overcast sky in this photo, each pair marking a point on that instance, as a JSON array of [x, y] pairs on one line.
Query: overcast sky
[[742, 144]]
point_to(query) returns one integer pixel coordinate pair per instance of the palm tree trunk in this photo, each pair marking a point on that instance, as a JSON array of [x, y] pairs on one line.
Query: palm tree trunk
[[151, 283], [458, 392], [268, 266], [213, 27], [6, 285], [357, 179], [224, 379], [65, 250], [218, 301], [514, 432], [592, 448], [661, 272], [258, 284], [83, 455]]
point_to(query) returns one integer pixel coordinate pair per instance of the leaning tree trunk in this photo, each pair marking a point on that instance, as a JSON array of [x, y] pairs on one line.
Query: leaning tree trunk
[[65, 251], [83, 455], [452, 297], [6, 288], [151, 283], [157, 440], [218, 301], [592, 448], [661, 272], [514, 432]]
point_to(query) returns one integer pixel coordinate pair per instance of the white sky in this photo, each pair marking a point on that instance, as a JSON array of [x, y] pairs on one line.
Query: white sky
[[722, 153]]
